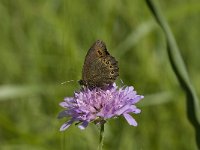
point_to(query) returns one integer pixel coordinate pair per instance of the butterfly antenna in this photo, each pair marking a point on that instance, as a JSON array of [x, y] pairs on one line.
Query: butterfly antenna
[[121, 81], [67, 81]]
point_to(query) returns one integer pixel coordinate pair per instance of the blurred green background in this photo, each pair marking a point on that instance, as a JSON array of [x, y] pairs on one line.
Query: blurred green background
[[44, 42]]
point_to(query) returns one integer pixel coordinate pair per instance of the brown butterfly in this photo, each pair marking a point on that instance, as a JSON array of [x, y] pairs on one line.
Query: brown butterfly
[[100, 69]]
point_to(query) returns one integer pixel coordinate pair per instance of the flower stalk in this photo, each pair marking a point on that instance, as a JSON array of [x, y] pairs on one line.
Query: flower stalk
[[101, 139]]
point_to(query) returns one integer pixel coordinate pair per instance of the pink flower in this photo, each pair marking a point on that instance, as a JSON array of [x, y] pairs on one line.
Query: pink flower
[[98, 105]]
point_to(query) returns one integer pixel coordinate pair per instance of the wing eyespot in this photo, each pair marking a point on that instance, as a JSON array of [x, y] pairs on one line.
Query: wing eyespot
[[99, 52], [112, 72]]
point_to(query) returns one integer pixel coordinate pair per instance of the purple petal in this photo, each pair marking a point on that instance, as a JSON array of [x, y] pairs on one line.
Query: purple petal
[[64, 105], [122, 110], [136, 99], [133, 109], [83, 125], [66, 125], [130, 88], [69, 99], [130, 119], [136, 111]]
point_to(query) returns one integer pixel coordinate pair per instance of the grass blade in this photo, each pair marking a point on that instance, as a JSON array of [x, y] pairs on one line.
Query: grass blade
[[193, 110]]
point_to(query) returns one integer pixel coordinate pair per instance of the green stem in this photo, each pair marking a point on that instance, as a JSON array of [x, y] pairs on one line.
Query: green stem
[[101, 137]]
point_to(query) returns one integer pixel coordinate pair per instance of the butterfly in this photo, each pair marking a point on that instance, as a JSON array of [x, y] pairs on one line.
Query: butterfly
[[100, 69]]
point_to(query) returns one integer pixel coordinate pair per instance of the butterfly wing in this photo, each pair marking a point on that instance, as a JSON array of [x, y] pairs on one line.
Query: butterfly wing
[[100, 68]]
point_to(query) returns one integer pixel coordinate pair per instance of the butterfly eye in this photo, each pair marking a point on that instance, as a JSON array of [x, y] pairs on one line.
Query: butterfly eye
[[111, 66]]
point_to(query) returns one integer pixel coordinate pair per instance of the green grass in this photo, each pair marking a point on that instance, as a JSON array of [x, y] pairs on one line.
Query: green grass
[[43, 43]]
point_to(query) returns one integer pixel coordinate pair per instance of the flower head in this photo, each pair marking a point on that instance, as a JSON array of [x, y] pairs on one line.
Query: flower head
[[98, 105]]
